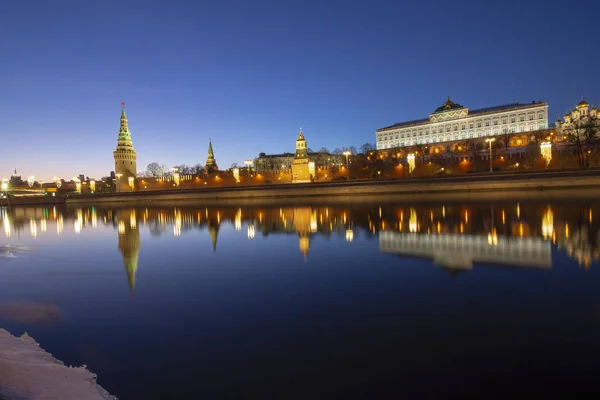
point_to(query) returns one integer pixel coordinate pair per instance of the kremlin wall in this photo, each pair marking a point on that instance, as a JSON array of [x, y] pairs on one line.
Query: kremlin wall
[[529, 146]]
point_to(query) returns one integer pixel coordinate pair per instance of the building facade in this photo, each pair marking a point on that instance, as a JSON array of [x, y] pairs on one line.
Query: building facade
[[125, 157], [300, 167], [452, 122]]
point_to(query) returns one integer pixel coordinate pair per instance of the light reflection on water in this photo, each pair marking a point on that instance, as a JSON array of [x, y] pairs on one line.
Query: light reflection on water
[[328, 260]]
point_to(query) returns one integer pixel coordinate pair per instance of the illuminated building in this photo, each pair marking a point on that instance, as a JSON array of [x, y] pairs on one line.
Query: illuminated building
[[125, 156], [300, 170], [452, 122], [211, 163]]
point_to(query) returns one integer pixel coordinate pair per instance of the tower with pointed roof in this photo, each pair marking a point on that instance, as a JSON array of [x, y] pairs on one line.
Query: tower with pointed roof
[[211, 163], [300, 170], [125, 157]]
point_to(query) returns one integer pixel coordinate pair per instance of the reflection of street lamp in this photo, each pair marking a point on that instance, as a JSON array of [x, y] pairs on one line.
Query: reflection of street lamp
[[118, 182], [347, 153], [490, 141], [248, 164], [410, 159], [546, 150]]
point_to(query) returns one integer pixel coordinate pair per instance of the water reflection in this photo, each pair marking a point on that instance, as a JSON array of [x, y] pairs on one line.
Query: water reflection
[[453, 236]]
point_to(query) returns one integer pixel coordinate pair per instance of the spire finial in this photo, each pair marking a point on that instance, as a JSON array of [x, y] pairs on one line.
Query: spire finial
[[122, 104], [448, 98]]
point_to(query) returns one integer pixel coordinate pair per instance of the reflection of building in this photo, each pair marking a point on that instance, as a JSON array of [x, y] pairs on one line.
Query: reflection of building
[[300, 170], [125, 156], [211, 163], [302, 223], [458, 251], [581, 244], [129, 243], [213, 230], [452, 121]]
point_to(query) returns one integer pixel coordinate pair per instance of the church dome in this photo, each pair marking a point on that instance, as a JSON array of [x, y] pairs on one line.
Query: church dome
[[447, 106], [582, 103]]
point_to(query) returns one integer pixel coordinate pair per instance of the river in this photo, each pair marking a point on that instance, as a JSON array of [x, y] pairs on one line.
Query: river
[[322, 301]]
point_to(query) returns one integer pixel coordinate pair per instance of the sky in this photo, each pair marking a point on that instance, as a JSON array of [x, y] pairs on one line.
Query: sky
[[249, 74]]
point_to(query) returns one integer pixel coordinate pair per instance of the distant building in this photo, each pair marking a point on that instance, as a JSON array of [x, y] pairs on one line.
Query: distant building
[[300, 167], [452, 122], [125, 157], [211, 163], [580, 113]]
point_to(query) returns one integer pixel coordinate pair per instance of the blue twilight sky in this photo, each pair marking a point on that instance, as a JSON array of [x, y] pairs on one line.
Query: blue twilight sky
[[248, 74]]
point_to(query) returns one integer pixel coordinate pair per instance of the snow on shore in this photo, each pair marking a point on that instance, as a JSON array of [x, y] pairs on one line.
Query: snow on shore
[[29, 372]]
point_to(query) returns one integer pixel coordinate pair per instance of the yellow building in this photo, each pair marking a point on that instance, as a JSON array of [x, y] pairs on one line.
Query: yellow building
[[300, 164]]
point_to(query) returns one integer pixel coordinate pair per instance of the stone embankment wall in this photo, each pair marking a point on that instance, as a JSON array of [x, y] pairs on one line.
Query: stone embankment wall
[[500, 186]]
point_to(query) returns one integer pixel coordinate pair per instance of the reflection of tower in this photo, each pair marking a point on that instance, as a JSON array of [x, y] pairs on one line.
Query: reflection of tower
[[213, 230], [125, 156], [129, 244], [211, 163], [302, 224], [300, 170]]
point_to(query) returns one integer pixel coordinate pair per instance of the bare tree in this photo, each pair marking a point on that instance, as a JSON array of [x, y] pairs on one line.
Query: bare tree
[[367, 148], [582, 135], [155, 169], [352, 150], [197, 169]]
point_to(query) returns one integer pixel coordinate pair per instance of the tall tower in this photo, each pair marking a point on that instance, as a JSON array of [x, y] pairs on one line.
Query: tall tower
[[125, 157], [300, 170], [211, 163]]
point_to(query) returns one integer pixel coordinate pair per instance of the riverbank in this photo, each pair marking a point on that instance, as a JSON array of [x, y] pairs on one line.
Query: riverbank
[[497, 186], [29, 372], [492, 186]]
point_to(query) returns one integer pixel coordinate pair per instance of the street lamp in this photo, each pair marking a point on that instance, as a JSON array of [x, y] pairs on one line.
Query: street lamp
[[347, 153], [4, 185], [118, 182], [490, 141]]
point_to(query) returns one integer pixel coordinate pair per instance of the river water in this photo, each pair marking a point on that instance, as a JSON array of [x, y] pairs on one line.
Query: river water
[[323, 301]]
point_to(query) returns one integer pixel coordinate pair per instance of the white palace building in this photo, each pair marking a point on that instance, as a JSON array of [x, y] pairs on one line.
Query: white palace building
[[452, 121]]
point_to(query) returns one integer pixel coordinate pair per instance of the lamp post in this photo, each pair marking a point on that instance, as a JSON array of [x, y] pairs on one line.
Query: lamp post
[[347, 153], [118, 182], [490, 141]]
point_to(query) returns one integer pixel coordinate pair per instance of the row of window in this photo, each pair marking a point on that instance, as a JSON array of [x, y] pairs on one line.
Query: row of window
[[462, 135], [447, 128]]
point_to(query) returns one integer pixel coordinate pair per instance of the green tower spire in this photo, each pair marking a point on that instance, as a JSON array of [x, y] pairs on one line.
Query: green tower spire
[[211, 163]]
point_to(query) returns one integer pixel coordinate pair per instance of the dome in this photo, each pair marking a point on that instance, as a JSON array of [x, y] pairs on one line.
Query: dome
[[447, 106], [582, 103]]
